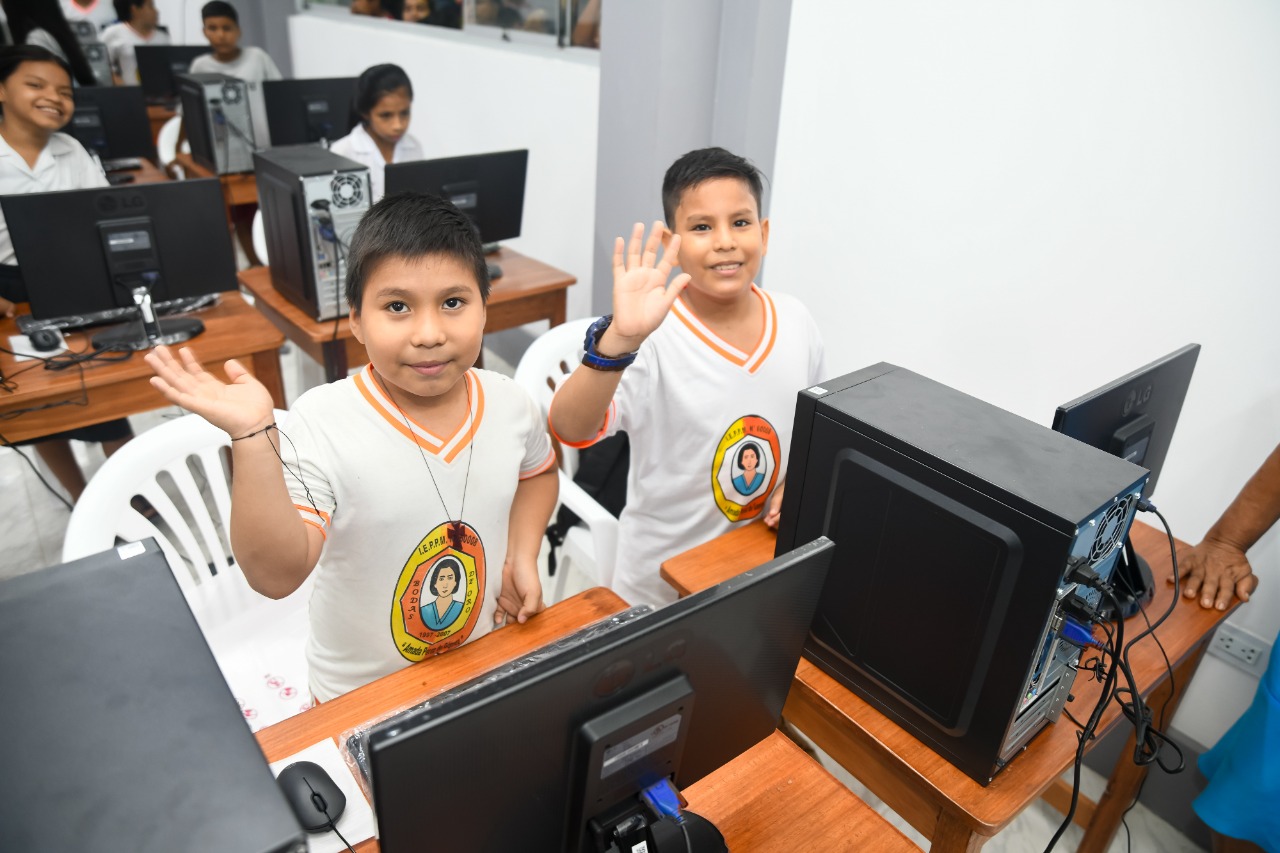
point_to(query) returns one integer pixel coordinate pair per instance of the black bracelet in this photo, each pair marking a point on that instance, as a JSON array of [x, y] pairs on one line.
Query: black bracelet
[[269, 426]]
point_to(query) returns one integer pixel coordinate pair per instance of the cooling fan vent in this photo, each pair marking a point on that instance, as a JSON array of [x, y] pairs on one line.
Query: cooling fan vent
[[1110, 531], [346, 190], [230, 94]]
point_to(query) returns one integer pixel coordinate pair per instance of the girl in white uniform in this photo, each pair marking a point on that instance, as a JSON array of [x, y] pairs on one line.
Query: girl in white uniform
[[384, 100], [40, 23]]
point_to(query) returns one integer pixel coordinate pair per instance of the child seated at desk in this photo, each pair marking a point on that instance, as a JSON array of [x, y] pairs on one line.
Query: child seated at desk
[[41, 23], [384, 99], [709, 388], [377, 468], [250, 64], [36, 94], [139, 25]]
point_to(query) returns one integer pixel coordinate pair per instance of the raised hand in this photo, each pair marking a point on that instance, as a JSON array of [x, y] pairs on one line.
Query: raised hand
[[641, 295], [239, 407]]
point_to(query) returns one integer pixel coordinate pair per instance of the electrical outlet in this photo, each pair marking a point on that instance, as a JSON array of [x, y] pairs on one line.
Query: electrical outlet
[[1240, 648]]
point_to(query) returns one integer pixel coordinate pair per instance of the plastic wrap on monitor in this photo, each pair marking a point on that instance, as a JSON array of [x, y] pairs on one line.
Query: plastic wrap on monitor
[[354, 741]]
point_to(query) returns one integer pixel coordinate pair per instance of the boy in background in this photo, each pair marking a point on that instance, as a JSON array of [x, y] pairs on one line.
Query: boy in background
[[695, 371], [418, 463], [251, 64], [139, 22]]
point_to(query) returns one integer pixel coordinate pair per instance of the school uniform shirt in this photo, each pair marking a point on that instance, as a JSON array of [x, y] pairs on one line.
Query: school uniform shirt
[[358, 145], [39, 37], [253, 65], [62, 165], [99, 12], [121, 39], [360, 477], [690, 404]]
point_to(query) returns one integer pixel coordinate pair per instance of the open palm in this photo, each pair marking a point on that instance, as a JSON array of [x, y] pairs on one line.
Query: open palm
[[641, 296], [239, 407]]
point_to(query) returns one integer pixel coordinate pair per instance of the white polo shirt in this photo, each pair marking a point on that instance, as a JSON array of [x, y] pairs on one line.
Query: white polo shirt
[[121, 39], [358, 145], [253, 65], [62, 165]]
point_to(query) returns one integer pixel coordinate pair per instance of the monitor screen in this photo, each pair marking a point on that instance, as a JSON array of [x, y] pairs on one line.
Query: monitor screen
[[1134, 416], [157, 65], [112, 121], [487, 187], [102, 237], [305, 111], [674, 693]]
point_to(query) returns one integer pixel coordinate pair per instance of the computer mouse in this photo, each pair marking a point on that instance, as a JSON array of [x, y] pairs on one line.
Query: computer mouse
[[311, 793], [45, 340]]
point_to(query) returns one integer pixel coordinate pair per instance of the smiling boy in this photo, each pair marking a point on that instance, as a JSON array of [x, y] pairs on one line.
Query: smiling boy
[[694, 371], [418, 461]]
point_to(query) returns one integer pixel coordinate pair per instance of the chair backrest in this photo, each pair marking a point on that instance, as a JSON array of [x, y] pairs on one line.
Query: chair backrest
[[260, 237], [178, 472], [545, 364], [167, 142]]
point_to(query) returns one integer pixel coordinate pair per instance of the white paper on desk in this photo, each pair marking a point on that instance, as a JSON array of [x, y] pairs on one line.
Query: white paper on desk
[[23, 350], [356, 822]]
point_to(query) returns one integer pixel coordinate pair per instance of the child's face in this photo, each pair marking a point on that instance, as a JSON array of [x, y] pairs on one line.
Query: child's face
[[388, 121], [416, 10], [223, 35], [145, 15], [722, 238], [422, 322], [39, 95]]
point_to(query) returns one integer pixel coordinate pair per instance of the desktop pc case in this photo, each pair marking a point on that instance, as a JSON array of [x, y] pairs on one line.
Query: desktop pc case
[[957, 525], [311, 200], [218, 120]]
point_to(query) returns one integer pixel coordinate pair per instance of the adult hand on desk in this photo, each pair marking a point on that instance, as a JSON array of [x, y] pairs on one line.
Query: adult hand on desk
[[1217, 572], [240, 407]]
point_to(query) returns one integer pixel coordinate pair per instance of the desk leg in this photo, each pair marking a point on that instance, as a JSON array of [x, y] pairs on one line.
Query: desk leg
[[335, 360], [266, 369], [558, 312], [953, 836], [1126, 777]]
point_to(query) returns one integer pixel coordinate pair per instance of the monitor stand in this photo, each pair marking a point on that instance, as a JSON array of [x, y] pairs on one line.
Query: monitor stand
[[150, 331], [637, 828], [1132, 582]]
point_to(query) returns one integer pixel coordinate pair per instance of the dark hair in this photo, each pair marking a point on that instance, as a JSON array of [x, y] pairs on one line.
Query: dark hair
[[12, 57], [703, 165], [446, 563], [219, 9], [373, 84], [27, 15], [412, 225], [754, 448], [124, 8]]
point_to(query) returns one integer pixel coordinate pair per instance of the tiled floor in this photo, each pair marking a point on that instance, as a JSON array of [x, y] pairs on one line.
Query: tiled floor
[[33, 522]]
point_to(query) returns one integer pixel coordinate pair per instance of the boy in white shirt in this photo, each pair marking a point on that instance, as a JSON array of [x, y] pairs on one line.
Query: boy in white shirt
[[377, 486], [384, 99], [138, 26], [712, 368], [250, 64]]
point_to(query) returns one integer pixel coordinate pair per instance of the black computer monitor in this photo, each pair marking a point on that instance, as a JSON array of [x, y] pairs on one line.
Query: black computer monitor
[[114, 246], [487, 187], [314, 110], [158, 63], [1134, 417], [573, 737], [112, 122]]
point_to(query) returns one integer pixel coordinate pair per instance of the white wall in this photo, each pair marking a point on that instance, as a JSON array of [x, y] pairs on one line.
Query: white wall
[[474, 94], [1027, 200]]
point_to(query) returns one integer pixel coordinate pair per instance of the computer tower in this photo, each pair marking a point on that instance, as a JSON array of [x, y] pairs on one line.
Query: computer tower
[[311, 200], [95, 52], [215, 108], [960, 529]]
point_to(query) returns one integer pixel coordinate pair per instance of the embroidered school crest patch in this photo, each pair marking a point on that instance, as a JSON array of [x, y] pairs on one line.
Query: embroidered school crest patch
[[745, 468], [439, 593]]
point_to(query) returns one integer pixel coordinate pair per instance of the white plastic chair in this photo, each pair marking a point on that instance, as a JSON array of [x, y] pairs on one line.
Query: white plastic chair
[[594, 542], [178, 469], [167, 146], [260, 238]]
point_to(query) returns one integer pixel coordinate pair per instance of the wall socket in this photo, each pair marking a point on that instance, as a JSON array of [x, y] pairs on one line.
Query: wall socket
[[1240, 648]]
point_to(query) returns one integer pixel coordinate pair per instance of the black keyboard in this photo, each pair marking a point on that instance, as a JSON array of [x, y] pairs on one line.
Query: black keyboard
[[122, 164], [28, 324]]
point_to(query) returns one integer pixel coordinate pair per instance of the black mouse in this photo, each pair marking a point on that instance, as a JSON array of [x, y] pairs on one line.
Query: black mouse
[[45, 340], [311, 793]]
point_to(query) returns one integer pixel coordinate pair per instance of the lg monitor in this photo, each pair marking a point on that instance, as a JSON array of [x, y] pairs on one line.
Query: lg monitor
[[123, 246], [487, 187], [158, 64], [300, 112], [111, 121], [1134, 417], [558, 750], [975, 522]]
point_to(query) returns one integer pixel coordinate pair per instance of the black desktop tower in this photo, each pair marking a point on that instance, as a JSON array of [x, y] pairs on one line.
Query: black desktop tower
[[957, 526], [311, 200], [219, 121]]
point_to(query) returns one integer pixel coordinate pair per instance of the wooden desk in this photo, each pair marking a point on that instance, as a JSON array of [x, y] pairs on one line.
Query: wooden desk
[[955, 812], [149, 173], [233, 329], [771, 798], [528, 291], [237, 189]]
